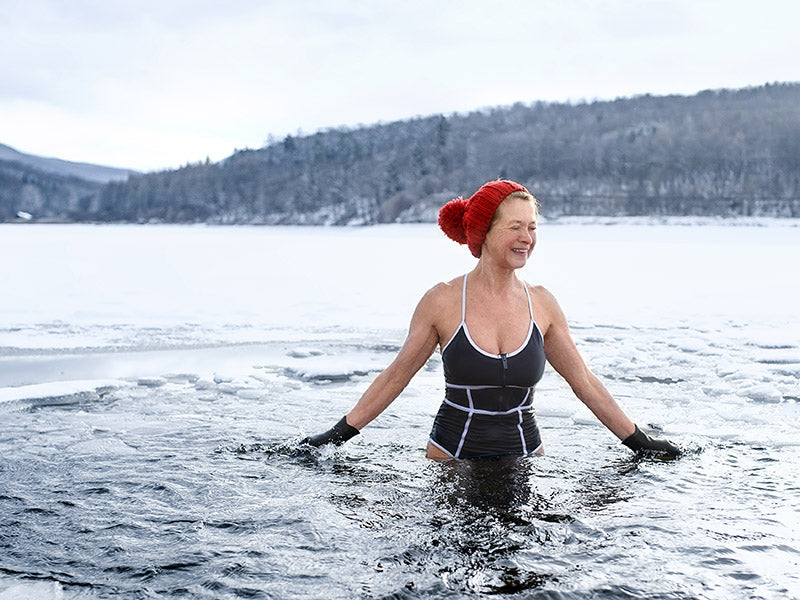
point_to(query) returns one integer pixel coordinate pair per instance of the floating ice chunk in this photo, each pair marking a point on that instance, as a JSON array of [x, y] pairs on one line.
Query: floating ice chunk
[[716, 390], [726, 368], [229, 388], [548, 409], [326, 372], [286, 386], [103, 446], [337, 368], [791, 372], [582, 416], [181, 377], [151, 382], [23, 590], [596, 339], [779, 357], [689, 344], [251, 393], [762, 392], [57, 389], [220, 378], [304, 352], [742, 372], [203, 384], [263, 377]]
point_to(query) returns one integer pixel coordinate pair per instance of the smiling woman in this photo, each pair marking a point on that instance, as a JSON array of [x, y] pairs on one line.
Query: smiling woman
[[495, 333], [513, 228]]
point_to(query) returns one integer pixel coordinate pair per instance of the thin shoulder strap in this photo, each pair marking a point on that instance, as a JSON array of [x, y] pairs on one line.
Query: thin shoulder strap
[[530, 304], [464, 300]]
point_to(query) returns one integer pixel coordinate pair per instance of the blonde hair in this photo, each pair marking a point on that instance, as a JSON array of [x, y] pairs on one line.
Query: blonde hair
[[522, 196]]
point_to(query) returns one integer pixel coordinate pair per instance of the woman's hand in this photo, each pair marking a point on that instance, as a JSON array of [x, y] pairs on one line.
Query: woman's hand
[[641, 443], [338, 435]]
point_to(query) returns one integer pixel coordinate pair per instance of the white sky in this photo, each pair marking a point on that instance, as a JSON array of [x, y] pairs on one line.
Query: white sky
[[152, 84]]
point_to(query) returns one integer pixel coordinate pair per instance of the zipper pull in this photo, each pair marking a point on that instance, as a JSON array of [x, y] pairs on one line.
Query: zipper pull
[[503, 357]]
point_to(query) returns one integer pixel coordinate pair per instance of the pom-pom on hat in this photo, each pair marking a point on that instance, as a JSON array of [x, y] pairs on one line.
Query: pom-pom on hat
[[467, 221]]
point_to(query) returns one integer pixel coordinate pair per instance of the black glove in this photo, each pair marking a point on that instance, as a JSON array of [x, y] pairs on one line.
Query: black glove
[[338, 434], [641, 443]]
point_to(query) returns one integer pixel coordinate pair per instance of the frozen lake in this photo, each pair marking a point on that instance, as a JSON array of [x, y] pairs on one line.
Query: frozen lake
[[147, 374]]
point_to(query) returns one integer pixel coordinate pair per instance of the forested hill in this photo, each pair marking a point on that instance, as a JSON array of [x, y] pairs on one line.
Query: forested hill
[[722, 152]]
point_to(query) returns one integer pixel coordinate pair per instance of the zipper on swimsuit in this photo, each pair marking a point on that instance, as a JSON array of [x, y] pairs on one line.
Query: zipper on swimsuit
[[503, 357]]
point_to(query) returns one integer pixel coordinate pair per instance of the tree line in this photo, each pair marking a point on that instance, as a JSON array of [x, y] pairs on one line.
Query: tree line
[[719, 152]]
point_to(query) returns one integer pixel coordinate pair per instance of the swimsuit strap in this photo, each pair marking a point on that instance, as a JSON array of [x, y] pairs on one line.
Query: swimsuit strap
[[464, 300], [530, 304]]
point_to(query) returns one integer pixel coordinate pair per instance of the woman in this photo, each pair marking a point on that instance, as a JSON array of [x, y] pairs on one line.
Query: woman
[[495, 333]]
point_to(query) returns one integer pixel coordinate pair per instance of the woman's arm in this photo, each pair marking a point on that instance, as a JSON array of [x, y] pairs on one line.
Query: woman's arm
[[563, 354], [420, 343], [416, 350]]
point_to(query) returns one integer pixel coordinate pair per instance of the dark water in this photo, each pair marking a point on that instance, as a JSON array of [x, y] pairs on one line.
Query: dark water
[[186, 488]]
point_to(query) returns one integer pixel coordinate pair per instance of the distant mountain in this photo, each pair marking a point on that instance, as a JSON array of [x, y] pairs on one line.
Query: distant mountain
[[29, 194], [89, 172], [49, 189]]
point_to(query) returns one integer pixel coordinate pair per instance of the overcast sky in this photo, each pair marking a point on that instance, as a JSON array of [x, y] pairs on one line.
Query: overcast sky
[[153, 84]]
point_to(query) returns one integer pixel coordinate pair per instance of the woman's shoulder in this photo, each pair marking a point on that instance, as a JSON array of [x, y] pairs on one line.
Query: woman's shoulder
[[444, 291], [442, 298], [541, 294], [545, 305]]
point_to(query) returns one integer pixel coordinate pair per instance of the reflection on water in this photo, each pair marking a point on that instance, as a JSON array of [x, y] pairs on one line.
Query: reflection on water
[[487, 512], [490, 527]]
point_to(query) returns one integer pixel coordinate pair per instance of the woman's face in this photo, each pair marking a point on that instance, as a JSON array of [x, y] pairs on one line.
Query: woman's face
[[512, 236]]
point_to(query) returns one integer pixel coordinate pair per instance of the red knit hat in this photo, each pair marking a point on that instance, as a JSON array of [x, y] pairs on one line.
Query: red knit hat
[[467, 221]]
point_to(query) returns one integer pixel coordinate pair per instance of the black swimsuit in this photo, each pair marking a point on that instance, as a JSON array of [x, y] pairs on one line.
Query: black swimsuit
[[487, 410]]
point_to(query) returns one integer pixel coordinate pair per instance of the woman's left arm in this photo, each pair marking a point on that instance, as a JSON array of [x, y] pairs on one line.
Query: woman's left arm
[[563, 355]]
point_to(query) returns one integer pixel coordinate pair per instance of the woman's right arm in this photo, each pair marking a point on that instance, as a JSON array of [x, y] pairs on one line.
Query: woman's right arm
[[423, 336]]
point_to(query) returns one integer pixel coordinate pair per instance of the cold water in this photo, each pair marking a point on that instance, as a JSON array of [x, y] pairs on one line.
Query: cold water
[[155, 380]]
